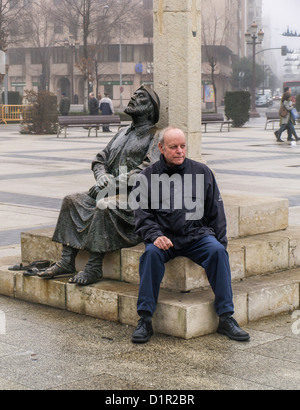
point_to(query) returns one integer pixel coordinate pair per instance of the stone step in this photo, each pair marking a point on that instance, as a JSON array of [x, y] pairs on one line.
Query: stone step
[[250, 256], [252, 215], [245, 216], [184, 315]]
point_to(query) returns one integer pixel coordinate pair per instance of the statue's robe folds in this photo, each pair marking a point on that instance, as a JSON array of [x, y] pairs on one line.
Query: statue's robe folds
[[81, 224]]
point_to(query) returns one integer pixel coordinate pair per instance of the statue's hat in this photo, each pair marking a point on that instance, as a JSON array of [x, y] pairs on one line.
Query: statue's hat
[[155, 100]]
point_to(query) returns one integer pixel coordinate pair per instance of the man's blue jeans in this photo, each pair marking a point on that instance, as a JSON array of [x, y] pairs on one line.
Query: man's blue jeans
[[207, 252]]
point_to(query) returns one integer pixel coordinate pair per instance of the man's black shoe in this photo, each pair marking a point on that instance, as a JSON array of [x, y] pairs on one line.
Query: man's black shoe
[[143, 332], [230, 328]]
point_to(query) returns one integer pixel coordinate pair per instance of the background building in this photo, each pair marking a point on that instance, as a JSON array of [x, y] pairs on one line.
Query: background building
[[50, 48], [49, 52]]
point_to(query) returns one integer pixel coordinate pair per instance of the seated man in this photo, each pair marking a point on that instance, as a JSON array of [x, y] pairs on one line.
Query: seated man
[[84, 225], [169, 229]]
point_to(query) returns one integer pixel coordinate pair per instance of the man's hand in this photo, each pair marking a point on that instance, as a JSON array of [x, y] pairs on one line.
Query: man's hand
[[163, 243]]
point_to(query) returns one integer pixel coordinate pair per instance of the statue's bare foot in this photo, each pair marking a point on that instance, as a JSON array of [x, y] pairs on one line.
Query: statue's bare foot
[[57, 269], [85, 278]]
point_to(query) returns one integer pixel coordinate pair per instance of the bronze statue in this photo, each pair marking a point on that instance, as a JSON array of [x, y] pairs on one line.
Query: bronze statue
[[81, 223]]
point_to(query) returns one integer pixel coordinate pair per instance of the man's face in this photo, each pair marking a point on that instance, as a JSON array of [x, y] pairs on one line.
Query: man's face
[[140, 104], [174, 148]]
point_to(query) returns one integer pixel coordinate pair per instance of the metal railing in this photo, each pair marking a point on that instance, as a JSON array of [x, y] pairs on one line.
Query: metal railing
[[10, 113]]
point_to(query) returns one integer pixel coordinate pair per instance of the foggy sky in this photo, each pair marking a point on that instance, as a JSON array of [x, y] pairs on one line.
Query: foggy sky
[[279, 15]]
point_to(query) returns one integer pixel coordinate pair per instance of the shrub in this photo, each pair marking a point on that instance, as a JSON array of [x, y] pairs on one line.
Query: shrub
[[298, 103], [41, 114], [237, 106], [14, 98]]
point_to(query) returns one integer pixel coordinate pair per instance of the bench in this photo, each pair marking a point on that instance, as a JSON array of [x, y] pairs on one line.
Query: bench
[[215, 118], [272, 116], [86, 121]]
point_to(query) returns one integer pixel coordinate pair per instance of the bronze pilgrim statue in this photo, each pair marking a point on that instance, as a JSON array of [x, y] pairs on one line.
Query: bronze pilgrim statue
[[82, 224]]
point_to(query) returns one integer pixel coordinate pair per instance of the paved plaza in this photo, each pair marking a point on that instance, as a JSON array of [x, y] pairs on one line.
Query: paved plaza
[[45, 348]]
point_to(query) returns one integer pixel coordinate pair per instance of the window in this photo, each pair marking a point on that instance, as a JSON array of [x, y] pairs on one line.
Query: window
[[148, 25], [36, 57], [113, 53], [17, 56], [58, 27], [127, 54], [60, 55]]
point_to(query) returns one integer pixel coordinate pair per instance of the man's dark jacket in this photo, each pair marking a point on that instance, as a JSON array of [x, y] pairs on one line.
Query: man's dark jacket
[[172, 223], [93, 106]]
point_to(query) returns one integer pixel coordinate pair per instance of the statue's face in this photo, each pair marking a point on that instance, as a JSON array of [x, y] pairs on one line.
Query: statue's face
[[140, 104]]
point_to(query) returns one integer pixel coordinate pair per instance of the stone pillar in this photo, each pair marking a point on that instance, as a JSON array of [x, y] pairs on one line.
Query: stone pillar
[[177, 67]]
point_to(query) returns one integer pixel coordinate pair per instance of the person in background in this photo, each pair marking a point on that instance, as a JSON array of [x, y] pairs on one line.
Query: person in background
[[286, 120], [64, 105], [93, 104], [106, 107]]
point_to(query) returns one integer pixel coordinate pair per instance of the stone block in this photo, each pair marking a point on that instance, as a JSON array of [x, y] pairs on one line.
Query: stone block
[[7, 282], [274, 295], [293, 236], [256, 214], [184, 315], [264, 253], [38, 245], [100, 300], [42, 291], [181, 273]]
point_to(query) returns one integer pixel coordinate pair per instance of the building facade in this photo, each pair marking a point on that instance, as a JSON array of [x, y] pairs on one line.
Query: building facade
[[124, 62], [118, 67]]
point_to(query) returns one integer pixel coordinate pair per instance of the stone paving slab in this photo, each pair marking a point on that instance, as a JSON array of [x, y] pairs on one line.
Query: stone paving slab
[[85, 353]]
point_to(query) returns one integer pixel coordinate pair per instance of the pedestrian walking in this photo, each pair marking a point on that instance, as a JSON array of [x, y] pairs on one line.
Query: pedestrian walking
[[106, 107], [287, 121]]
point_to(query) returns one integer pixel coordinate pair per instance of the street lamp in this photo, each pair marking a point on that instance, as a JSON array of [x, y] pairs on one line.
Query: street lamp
[[254, 38], [72, 44]]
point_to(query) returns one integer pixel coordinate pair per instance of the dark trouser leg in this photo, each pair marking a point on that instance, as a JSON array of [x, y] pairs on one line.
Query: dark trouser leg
[[213, 257], [207, 252], [282, 128], [292, 131], [152, 270]]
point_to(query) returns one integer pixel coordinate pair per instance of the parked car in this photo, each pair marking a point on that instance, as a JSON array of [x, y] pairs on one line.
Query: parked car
[[262, 101]]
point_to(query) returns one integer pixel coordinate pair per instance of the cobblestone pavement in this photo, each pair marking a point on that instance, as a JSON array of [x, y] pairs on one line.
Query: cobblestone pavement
[[45, 348]]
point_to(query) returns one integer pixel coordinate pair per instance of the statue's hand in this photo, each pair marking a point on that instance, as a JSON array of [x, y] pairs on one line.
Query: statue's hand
[[104, 180], [94, 191]]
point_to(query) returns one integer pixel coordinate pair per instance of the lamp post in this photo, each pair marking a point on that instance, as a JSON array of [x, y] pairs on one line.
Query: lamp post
[[254, 38], [72, 44]]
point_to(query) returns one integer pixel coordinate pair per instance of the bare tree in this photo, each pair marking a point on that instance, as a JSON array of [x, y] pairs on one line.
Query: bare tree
[[10, 12], [93, 23], [213, 35]]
